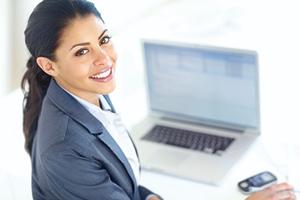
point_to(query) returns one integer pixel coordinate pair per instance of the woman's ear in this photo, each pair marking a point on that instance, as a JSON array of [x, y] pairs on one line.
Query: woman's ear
[[47, 66]]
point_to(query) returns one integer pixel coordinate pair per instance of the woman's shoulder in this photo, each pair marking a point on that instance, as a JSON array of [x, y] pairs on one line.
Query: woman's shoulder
[[56, 128], [66, 138]]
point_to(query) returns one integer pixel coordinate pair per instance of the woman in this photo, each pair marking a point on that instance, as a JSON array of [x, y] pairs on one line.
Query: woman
[[73, 134]]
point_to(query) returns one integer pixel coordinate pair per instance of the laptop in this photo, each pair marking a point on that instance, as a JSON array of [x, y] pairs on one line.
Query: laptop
[[203, 109]]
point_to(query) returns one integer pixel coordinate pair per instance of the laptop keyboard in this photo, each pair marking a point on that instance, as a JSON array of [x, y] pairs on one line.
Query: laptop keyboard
[[203, 142]]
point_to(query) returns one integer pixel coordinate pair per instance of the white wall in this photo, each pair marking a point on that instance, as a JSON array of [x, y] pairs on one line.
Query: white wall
[[120, 14], [21, 12], [5, 36]]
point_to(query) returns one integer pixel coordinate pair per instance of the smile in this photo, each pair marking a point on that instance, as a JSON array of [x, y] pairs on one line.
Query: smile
[[103, 76]]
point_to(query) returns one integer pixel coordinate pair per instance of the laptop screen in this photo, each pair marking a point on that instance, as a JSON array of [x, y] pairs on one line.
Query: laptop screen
[[206, 84]]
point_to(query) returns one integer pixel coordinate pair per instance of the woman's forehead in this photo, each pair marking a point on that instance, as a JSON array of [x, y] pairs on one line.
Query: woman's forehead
[[82, 29]]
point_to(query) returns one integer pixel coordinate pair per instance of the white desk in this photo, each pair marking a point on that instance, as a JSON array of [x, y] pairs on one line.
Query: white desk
[[169, 187]]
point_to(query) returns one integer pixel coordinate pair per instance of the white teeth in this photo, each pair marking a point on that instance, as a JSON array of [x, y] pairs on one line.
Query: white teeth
[[103, 74]]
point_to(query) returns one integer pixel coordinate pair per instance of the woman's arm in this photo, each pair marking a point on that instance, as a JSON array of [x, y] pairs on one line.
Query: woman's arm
[[69, 175]]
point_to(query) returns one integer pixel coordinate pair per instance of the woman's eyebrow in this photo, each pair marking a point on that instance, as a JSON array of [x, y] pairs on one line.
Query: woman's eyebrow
[[87, 43], [105, 30], [80, 44]]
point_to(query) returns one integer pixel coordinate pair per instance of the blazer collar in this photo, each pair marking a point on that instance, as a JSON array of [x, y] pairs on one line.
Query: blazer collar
[[73, 108], [76, 111]]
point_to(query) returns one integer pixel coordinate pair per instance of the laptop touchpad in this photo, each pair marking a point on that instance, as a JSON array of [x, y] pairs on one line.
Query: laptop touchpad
[[167, 157]]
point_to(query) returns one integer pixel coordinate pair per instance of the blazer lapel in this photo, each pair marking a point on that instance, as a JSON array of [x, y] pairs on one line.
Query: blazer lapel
[[110, 142], [109, 103], [76, 111]]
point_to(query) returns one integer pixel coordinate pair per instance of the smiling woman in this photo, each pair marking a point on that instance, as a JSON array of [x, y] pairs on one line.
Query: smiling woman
[[85, 59], [72, 132]]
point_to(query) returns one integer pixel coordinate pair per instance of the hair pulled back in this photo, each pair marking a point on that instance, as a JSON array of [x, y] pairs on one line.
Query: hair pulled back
[[42, 36]]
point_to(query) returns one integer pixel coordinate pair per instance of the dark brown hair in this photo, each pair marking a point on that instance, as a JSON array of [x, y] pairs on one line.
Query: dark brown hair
[[45, 26]]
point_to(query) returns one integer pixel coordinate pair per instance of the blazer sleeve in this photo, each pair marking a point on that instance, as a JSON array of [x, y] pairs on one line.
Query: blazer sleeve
[[145, 193], [70, 175]]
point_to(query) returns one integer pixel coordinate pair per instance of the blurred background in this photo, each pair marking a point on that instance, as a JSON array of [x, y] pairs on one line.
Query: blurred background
[[269, 27]]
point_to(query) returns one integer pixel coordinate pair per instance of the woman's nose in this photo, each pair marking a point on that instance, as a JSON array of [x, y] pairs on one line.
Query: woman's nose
[[102, 57]]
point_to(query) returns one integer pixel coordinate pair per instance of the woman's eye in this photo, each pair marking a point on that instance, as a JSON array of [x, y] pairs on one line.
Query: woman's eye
[[105, 40], [81, 52]]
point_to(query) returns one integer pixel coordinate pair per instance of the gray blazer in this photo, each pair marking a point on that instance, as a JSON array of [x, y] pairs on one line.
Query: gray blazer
[[74, 157]]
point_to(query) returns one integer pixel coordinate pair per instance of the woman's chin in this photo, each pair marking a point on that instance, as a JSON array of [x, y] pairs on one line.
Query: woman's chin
[[108, 89]]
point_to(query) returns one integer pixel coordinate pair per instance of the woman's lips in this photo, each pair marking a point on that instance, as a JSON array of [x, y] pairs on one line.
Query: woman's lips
[[103, 76]]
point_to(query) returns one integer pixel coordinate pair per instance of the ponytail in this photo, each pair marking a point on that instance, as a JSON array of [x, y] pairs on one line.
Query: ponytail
[[34, 84], [45, 26]]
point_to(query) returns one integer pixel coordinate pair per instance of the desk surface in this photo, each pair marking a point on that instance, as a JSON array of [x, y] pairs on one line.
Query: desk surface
[[256, 160]]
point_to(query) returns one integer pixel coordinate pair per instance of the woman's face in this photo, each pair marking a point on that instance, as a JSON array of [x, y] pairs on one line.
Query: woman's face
[[85, 59]]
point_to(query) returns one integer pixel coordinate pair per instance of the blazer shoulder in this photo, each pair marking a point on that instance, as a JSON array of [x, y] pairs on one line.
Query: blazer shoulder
[[52, 126], [56, 127]]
